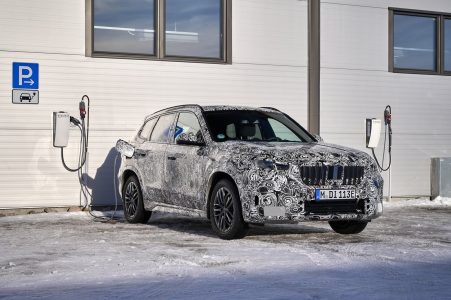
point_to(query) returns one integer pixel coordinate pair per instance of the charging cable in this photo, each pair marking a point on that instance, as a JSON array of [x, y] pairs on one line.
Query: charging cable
[[388, 131], [84, 135]]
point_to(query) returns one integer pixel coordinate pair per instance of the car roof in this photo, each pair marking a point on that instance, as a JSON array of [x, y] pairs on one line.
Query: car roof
[[231, 107], [210, 108]]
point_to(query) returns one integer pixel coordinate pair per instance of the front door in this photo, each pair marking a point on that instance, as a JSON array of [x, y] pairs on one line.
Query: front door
[[186, 166], [152, 161]]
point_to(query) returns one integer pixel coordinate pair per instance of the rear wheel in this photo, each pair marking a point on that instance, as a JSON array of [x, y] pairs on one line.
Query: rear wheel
[[348, 227], [134, 211], [225, 211]]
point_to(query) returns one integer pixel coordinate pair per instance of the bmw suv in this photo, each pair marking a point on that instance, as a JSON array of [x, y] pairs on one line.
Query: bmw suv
[[239, 165]]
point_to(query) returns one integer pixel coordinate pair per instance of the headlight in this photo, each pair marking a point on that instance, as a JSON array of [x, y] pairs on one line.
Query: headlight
[[270, 164], [265, 164]]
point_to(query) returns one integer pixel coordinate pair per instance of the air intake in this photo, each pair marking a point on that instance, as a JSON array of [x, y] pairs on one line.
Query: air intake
[[322, 175]]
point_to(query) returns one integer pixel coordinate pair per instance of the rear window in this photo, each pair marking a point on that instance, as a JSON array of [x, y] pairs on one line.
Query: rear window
[[146, 130]]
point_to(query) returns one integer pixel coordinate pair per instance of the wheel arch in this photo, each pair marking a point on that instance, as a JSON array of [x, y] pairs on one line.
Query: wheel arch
[[215, 178], [126, 174]]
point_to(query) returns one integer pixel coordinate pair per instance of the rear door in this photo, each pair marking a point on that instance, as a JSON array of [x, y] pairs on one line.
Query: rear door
[[152, 160], [186, 166]]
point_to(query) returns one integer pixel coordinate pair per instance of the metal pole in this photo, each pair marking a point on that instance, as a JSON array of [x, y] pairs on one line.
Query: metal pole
[[389, 185], [314, 65]]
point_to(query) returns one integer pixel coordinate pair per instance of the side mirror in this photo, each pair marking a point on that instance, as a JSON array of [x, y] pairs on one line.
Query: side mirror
[[125, 148], [189, 139], [318, 138]]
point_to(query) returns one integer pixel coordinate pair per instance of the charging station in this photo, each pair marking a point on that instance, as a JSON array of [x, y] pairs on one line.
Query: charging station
[[373, 132], [373, 129], [61, 124]]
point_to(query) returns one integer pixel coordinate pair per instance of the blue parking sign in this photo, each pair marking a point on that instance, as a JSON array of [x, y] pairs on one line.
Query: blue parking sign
[[25, 76]]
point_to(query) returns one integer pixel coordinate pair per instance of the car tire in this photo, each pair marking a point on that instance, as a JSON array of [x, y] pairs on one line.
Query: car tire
[[225, 211], [348, 226], [132, 199]]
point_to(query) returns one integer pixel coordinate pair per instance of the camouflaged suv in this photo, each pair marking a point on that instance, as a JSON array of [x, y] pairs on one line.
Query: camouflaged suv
[[241, 165]]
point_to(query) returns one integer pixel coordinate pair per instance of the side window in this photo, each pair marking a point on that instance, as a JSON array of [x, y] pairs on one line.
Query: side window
[[189, 124], [162, 130], [146, 130]]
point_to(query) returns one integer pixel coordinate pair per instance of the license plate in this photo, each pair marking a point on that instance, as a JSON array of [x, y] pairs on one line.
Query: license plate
[[334, 194]]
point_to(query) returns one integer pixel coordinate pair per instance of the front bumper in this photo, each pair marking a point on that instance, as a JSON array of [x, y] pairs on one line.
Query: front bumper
[[299, 205]]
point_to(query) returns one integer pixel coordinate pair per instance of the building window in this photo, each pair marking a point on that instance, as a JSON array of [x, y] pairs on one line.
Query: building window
[[414, 43], [180, 30], [418, 42], [193, 28], [123, 28]]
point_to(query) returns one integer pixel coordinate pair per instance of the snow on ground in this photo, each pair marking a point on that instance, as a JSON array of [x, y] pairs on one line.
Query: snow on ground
[[439, 201], [406, 254]]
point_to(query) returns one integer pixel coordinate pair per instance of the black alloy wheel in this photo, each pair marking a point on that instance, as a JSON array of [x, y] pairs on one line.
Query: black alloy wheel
[[134, 211], [225, 211]]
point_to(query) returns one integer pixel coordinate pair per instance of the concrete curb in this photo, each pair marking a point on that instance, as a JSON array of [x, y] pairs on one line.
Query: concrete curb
[[41, 210]]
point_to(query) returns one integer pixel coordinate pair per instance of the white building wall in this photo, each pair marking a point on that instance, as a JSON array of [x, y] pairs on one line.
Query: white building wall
[[356, 84], [269, 69]]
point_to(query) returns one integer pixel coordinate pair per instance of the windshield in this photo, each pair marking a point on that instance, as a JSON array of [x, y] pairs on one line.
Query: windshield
[[255, 126]]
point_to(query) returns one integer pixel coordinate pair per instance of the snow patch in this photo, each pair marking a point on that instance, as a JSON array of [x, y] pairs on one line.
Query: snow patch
[[439, 201]]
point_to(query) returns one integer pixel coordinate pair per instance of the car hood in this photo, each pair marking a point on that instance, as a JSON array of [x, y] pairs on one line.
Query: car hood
[[299, 153]]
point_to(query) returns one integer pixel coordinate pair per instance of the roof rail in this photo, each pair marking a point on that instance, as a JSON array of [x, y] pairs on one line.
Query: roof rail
[[268, 107], [177, 106]]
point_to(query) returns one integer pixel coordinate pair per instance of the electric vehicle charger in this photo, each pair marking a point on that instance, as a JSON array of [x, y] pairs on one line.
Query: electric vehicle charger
[[388, 131], [82, 158]]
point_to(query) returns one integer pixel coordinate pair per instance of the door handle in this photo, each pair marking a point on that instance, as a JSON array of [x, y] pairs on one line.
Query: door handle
[[140, 153], [172, 157]]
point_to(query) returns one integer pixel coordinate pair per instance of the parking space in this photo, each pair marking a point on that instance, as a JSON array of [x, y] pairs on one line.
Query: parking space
[[406, 254]]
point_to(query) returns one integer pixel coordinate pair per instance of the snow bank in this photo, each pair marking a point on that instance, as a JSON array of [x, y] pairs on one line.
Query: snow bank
[[439, 201]]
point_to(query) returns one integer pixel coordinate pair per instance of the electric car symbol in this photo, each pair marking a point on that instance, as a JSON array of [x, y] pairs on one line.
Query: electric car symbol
[[239, 165], [25, 96]]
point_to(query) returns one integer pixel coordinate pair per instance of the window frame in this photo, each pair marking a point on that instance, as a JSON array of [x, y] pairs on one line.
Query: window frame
[[439, 37], [159, 37], [442, 35]]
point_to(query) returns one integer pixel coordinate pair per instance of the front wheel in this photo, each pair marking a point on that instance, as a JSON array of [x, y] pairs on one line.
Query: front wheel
[[134, 211], [348, 227], [225, 211]]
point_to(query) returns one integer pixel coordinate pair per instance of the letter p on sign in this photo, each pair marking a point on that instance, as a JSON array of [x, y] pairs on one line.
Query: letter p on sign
[[25, 76]]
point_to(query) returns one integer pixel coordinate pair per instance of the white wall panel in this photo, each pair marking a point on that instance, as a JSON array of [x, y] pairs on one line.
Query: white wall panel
[[355, 84], [269, 69], [50, 26], [270, 32], [354, 37]]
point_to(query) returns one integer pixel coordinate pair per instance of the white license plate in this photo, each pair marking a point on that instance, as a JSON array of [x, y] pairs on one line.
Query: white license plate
[[334, 194]]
